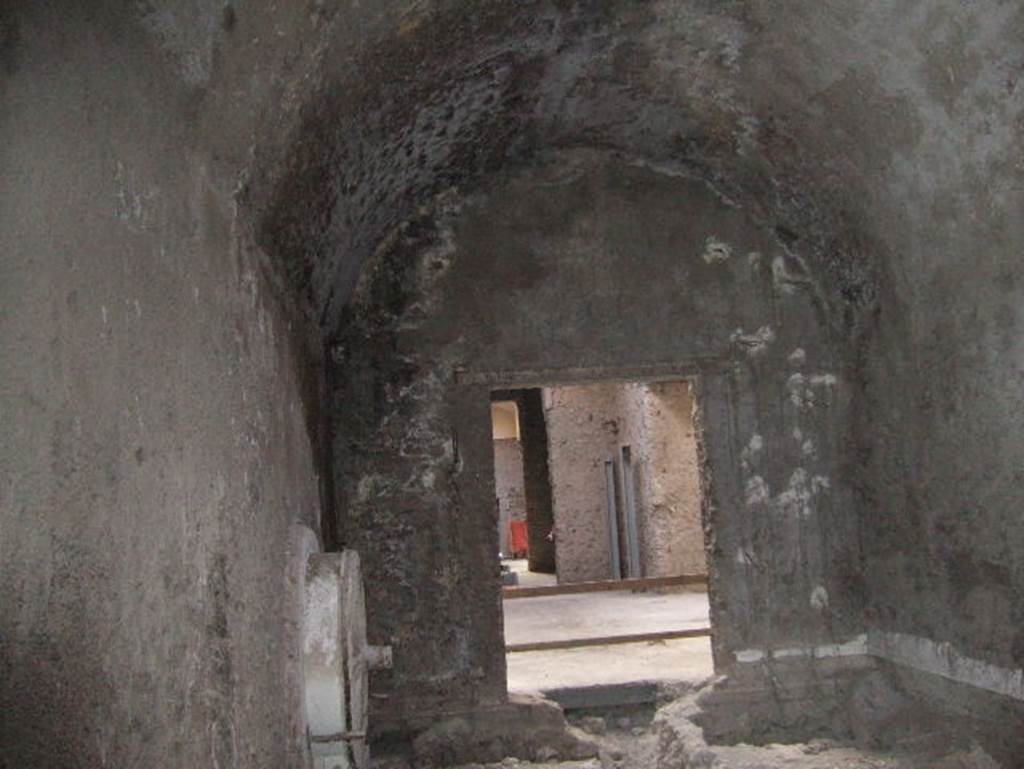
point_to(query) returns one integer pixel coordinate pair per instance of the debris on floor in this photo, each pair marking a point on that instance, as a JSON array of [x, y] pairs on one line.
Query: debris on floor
[[681, 744], [528, 727], [672, 739]]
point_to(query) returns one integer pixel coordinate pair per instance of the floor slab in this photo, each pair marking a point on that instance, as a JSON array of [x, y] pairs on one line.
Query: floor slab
[[687, 659], [527, 578], [595, 615]]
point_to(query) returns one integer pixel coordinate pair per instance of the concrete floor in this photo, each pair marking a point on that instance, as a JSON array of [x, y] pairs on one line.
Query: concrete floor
[[591, 615], [529, 578], [588, 615], [684, 659]]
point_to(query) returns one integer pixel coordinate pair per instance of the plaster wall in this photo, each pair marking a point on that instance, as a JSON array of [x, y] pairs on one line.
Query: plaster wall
[[657, 421], [583, 262], [583, 431], [940, 432], [508, 485], [588, 424], [157, 432], [874, 145], [879, 143], [537, 480]]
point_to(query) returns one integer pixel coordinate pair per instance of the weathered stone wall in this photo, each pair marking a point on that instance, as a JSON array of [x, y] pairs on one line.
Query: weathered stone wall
[[508, 485], [874, 146], [657, 423], [940, 432], [607, 265], [583, 430], [158, 407], [588, 425], [880, 144], [540, 515], [877, 142]]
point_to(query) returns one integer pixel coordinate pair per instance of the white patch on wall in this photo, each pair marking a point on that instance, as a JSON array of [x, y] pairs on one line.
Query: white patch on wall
[[805, 391], [819, 598], [751, 451], [855, 647], [366, 487], [797, 498], [755, 343], [922, 654], [800, 392], [808, 449], [796, 501], [729, 56], [758, 492], [786, 281], [131, 201], [796, 385], [943, 659], [716, 250], [798, 356], [746, 136]]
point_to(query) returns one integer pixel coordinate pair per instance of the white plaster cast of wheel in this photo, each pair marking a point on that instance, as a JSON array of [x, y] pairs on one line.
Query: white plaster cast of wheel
[[360, 657], [337, 661], [302, 543], [323, 660]]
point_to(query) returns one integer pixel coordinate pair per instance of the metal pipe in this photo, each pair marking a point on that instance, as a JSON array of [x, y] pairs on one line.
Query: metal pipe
[[612, 518], [632, 536]]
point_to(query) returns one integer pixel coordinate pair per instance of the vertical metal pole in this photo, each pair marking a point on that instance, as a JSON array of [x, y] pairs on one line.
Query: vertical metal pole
[[612, 518], [504, 519], [632, 538]]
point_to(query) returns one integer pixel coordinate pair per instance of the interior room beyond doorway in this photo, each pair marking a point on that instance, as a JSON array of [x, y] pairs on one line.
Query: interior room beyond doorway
[[606, 475], [603, 479]]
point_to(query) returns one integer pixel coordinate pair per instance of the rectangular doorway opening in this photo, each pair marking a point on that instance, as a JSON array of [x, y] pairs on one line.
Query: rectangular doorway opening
[[598, 492]]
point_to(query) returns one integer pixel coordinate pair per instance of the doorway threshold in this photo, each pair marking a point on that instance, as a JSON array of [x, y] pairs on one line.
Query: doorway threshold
[[611, 675], [642, 583]]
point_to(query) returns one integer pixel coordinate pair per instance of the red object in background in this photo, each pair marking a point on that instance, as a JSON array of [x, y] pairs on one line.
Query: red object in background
[[518, 541]]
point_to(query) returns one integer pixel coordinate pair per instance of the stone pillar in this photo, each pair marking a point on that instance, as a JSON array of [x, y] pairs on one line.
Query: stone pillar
[[540, 517], [508, 487]]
